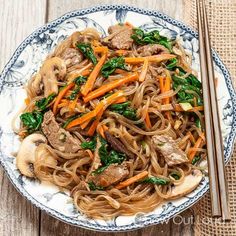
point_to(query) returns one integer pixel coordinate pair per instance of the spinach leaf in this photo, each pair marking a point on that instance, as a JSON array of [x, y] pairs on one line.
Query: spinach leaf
[[175, 175], [156, 180], [32, 120], [74, 93], [87, 50], [108, 157], [124, 110], [188, 83], [196, 159], [152, 37], [172, 64], [110, 66], [43, 103], [80, 80], [69, 120], [93, 187], [90, 144]]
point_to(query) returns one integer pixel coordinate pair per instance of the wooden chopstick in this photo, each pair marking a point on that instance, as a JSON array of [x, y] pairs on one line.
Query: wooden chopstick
[[223, 188], [218, 185], [212, 168]]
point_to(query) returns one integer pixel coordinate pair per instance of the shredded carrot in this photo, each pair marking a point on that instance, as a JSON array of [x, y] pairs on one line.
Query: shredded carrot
[[61, 95], [105, 128], [100, 49], [109, 86], [157, 58], [73, 103], [121, 100], [92, 77], [167, 87], [63, 104], [121, 52], [191, 137], [90, 153], [143, 71], [85, 124], [101, 131], [95, 124], [196, 145], [132, 180], [161, 81], [120, 71], [100, 106], [27, 101], [147, 121]]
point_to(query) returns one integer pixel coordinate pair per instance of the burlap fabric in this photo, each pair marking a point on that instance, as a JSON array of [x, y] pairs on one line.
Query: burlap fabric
[[222, 23]]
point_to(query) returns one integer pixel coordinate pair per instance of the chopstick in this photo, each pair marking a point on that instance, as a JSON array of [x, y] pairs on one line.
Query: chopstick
[[216, 166]]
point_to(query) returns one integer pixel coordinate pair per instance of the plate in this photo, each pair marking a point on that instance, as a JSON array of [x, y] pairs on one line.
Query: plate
[[26, 61]]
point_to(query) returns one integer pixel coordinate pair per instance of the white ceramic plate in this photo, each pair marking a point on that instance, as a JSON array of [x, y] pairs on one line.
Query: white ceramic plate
[[26, 61]]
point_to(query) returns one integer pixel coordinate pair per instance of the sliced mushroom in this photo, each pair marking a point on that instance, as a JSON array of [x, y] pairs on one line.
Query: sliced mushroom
[[36, 84], [190, 182], [52, 70], [26, 155]]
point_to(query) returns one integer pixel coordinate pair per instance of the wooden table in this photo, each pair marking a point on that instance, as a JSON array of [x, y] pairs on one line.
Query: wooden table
[[18, 18]]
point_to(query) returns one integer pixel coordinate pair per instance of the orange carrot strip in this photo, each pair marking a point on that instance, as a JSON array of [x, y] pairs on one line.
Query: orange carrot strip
[[191, 137], [120, 71], [63, 104], [95, 124], [121, 100], [105, 128], [61, 95], [131, 180], [73, 103], [167, 87], [101, 131], [121, 52], [27, 101], [147, 121], [196, 145], [157, 58], [100, 49], [92, 77], [143, 71], [84, 125], [109, 86], [101, 106], [161, 81]]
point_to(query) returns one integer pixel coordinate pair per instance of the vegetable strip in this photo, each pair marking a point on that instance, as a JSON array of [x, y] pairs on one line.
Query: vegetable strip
[[131, 180], [109, 86]]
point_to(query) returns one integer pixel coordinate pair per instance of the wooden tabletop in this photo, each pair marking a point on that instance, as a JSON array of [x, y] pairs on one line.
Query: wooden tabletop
[[18, 217]]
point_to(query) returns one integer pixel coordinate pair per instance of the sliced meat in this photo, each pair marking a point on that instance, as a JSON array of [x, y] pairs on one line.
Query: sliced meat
[[118, 145], [120, 37], [168, 148], [71, 56], [151, 49], [111, 175], [58, 137]]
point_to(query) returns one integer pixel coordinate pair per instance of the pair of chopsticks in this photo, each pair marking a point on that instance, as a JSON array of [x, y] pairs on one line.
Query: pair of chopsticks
[[216, 166]]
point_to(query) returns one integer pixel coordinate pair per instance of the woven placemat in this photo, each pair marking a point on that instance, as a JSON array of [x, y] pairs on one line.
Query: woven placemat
[[222, 23]]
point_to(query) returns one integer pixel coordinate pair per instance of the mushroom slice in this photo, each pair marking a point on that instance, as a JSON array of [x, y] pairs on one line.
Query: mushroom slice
[[35, 83], [190, 182], [26, 155], [52, 70]]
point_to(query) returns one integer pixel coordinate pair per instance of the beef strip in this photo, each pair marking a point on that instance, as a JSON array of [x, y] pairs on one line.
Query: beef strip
[[58, 137], [111, 175], [151, 49], [172, 154], [120, 37], [71, 56], [118, 145]]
